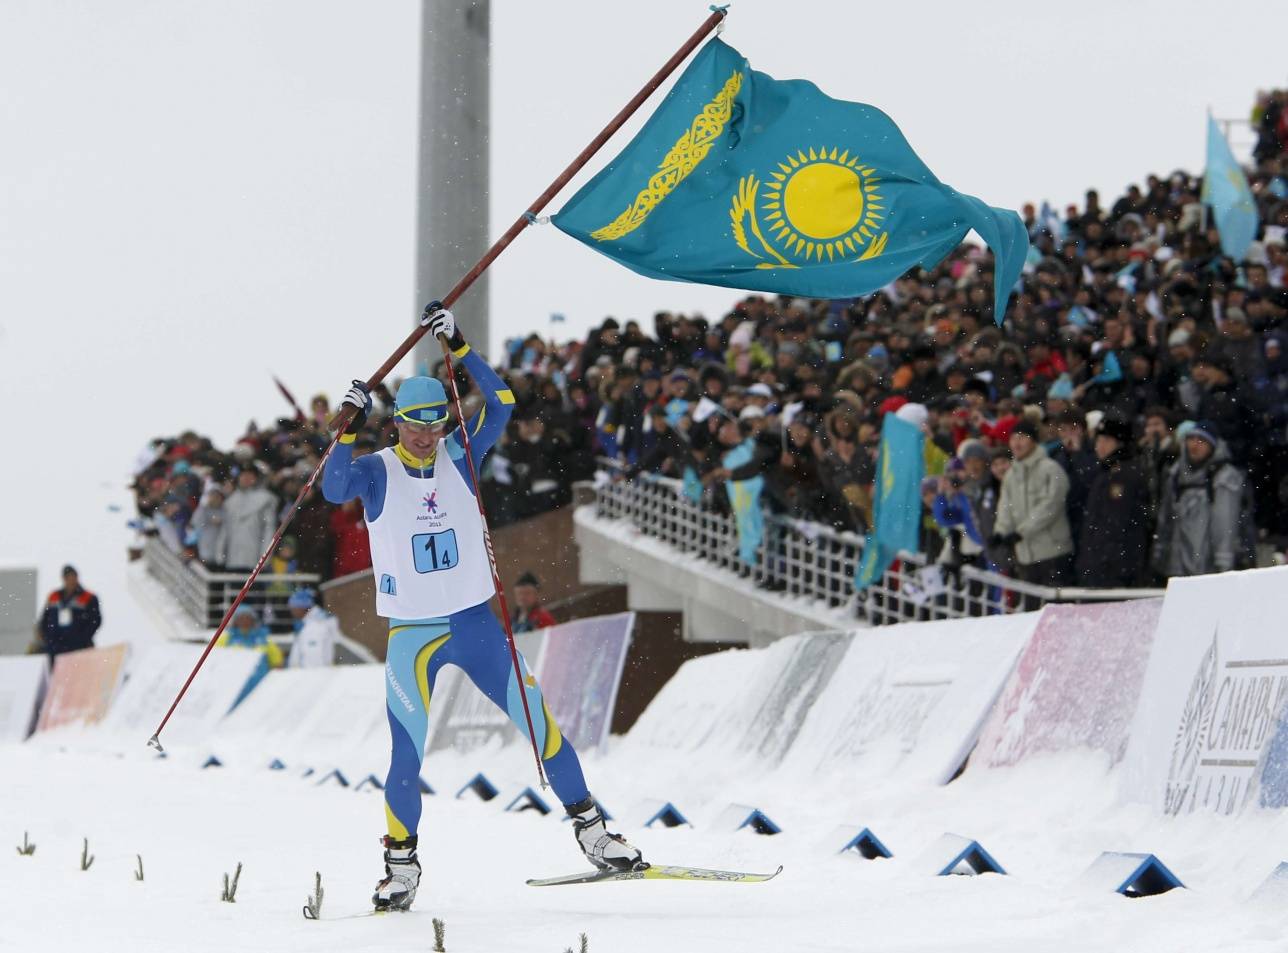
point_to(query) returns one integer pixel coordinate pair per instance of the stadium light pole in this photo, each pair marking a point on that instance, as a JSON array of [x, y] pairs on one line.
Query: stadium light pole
[[452, 170]]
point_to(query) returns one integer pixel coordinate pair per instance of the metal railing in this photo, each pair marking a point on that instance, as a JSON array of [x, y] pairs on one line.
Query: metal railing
[[205, 596], [805, 559]]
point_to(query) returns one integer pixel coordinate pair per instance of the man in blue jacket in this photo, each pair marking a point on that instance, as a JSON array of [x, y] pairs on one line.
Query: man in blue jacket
[[71, 617], [433, 583]]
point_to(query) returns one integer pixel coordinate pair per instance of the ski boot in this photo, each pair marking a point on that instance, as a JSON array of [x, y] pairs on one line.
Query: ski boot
[[606, 851], [402, 875]]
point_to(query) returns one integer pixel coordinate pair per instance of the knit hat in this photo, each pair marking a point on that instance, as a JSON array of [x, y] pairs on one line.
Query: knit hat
[[760, 390], [915, 414], [421, 400], [1026, 427], [1204, 430], [973, 449], [301, 599], [1116, 426], [528, 579]]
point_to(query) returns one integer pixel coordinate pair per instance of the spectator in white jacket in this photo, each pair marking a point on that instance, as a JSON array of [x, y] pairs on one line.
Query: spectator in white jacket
[[209, 528], [316, 632], [250, 518]]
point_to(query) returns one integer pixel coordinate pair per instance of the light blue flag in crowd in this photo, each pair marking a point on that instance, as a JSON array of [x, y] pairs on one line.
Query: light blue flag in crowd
[[744, 497], [743, 180], [1225, 189], [897, 504], [1049, 221]]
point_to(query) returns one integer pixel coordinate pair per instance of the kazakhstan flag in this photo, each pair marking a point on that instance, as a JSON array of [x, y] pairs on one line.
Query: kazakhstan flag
[[750, 182], [897, 505], [1225, 188]]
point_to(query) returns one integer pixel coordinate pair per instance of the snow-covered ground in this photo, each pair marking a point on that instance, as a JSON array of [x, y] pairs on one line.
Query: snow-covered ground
[[1045, 822]]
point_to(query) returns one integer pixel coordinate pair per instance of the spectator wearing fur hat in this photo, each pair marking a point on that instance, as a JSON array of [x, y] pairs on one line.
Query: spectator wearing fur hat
[[1115, 531]]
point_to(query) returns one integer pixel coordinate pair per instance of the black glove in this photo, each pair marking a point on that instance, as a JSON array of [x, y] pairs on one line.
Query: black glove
[[1000, 539], [359, 398]]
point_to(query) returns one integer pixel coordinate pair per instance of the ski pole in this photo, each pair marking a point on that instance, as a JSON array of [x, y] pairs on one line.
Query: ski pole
[[341, 419], [491, 556], [155, 740]]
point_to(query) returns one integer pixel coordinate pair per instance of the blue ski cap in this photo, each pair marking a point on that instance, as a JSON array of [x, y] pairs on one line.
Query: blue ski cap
[[421, 400], [301, 599]]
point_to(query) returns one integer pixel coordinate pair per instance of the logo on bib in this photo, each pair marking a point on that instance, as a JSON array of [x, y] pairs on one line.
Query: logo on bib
[[431, 502]]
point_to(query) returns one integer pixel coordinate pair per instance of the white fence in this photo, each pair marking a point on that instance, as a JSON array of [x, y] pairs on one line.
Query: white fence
[[805, 559], [205, 596]]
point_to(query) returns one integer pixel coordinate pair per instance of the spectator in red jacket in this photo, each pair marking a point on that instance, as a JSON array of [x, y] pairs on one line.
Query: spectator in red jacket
[[352, 547], [529, 614]]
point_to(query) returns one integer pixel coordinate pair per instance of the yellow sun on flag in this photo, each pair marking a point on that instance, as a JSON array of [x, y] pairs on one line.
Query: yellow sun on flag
[[824, 203]]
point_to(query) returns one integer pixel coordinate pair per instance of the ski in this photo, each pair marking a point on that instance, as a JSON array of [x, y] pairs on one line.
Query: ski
[[658, 872]]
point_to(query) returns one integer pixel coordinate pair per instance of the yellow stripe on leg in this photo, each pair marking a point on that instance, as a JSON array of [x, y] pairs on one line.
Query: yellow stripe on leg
[[421, 666], [554, 737], [397, 830]]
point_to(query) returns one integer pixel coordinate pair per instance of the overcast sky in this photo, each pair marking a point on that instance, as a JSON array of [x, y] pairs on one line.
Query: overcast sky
[[196, 195]]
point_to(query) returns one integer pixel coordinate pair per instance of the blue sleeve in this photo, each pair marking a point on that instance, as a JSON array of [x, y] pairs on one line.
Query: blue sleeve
[[343, 478], [944, 512], [488, 424]]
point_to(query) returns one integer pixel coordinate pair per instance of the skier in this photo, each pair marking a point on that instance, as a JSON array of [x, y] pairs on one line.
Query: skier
[[434, 581]]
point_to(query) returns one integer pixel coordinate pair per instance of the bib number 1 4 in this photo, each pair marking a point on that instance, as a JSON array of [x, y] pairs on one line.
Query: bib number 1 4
[[434, 551]]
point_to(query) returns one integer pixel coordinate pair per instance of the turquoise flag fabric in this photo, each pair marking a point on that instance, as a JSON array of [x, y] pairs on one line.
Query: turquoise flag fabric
[[1225, 189], [901, 463], [744, 497], [750, 182]]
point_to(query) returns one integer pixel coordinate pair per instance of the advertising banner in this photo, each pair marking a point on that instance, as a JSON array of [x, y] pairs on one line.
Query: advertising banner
[[1217, 678], [578, 665], [82, 687], [1076, 683], [22, 682], [910, 699]]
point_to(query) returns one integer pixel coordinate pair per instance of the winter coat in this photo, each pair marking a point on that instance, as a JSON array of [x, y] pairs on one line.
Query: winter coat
[[210, 526], [1114, 544], [250, 518], [1082, 468], [1032, 504], [957, 516], [70, 621], [315, 638], [352, 544], [257, 639], [1198, 518], [1226, 406], [538, 618]]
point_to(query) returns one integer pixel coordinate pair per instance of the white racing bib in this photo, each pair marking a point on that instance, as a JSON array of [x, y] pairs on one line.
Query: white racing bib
[[427, 548]]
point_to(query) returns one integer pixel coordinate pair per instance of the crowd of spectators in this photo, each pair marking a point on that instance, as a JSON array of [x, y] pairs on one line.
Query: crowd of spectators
[[1128, 421]]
